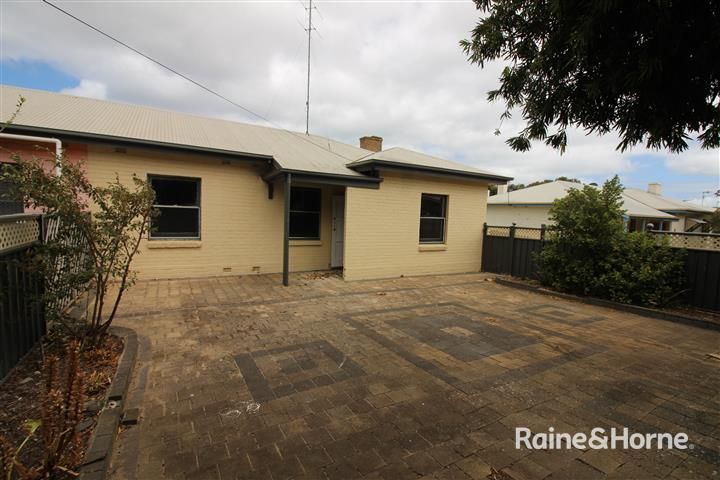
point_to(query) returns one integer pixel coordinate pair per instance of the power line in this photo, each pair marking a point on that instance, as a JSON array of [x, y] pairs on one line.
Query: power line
[[187, 78], [157, 62]]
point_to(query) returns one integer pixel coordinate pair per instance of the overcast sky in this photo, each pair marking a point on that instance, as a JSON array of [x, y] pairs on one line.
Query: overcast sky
[[392, 69]]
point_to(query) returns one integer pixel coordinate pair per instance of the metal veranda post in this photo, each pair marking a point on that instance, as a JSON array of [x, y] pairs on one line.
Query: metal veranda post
[[286, 234], [512, 247]]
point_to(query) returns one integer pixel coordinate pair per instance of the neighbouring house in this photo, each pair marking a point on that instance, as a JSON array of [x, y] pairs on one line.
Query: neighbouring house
[[530, 207], [237, 198], [690, 217]]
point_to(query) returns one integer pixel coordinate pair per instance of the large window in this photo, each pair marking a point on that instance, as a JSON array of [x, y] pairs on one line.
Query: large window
[[305, 213], [433, 216], [177, 200], [8, 204]]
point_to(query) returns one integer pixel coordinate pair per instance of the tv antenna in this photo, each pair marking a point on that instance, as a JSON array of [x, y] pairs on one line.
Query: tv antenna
[[309, 31]]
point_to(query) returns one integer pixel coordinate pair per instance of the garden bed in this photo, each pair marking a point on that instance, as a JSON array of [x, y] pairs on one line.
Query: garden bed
[[21, 394]]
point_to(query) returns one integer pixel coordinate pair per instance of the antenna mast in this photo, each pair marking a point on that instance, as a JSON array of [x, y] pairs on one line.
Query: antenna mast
[[307, 99]]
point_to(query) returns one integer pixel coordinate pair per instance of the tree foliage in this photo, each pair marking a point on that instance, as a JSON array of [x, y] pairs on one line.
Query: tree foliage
[[714, 222], [97, 233], [589, 253], [645, 69]]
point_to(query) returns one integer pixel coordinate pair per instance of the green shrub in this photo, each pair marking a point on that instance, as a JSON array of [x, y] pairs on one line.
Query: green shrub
[[588, 227], [589, 253], [642, 271]]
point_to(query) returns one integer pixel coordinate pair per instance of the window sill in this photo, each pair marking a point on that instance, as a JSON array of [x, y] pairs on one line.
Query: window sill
[[439, 247], [305, 243], [174, 244]]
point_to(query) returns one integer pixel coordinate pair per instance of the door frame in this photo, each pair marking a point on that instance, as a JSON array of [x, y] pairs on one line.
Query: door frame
[[337, 200]]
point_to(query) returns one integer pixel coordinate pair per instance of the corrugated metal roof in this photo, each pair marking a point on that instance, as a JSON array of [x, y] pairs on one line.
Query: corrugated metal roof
[[547, 193], [664, 203], [403, 157], [544, 194], [639, 209], [292, 151]]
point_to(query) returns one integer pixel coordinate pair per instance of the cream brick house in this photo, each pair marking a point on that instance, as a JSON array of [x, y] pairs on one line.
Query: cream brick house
[[237, 198]]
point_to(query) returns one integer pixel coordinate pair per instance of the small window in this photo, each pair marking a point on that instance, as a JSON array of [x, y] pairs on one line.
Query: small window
[[9, 205], [305, 213], [177, 199], [433, 215]]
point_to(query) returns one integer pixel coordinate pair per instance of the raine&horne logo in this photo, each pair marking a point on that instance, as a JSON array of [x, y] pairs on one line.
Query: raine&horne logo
[[599, 439]]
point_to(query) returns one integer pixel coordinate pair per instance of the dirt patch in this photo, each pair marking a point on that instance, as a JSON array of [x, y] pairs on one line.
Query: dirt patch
[[21, 393], [499, 475], [320, 275]]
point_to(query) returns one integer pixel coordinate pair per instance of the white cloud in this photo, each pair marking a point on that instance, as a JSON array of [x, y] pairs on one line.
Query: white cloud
[[710, 201], [389, 69], [88, 88], [696, 162]]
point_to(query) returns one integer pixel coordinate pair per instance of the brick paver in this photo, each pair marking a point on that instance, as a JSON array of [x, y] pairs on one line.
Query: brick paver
[[411, 378]]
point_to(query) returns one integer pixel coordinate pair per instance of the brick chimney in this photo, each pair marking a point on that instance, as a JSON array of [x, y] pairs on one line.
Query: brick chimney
[[655, 188], [372, 143]]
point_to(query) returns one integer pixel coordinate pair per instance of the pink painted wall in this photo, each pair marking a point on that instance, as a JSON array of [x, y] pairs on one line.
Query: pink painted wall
[[74, 152]]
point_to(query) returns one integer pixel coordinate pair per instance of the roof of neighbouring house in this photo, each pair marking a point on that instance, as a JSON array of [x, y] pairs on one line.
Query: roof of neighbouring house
[[59, 114], [546, 193], [664, 203], [543, 194], [639, 209]]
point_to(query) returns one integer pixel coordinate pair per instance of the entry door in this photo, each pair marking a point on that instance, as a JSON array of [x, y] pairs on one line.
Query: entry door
[[338, 230]]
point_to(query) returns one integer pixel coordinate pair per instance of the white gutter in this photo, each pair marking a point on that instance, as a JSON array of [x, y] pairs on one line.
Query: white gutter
[[28, 138]]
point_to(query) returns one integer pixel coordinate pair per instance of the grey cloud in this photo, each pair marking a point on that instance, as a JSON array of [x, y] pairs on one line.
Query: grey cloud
[[391, 69]]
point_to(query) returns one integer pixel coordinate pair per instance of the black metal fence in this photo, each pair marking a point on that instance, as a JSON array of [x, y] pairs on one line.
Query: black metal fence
[[23, 310], [22, 315], [513, 251]]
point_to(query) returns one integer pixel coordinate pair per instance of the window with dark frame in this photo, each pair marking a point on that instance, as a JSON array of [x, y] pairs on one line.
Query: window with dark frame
[[305, 209], [177, 200], [9, 205], [433, 216]]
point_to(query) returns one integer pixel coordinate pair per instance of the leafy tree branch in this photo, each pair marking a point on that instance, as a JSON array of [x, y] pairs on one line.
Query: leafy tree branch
[[645, 69]]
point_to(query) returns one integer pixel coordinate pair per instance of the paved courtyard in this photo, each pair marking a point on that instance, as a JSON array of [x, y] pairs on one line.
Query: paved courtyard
[[402, 379]]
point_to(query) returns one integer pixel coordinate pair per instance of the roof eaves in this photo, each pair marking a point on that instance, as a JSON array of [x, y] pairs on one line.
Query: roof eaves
[[364, 165], [678, 211], [671, 218], [521, 204], [114, 140], [329, 178]]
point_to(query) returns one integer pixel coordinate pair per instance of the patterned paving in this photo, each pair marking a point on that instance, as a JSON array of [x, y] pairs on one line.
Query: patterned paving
[[406, 378], [282, 371]]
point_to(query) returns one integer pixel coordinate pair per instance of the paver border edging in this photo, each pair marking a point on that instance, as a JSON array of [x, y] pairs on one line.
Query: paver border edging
[[643, 311], [97, 456]]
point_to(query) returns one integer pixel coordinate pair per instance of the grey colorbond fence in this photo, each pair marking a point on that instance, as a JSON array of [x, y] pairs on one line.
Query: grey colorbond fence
[[513, 251], [702, 266]]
